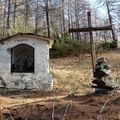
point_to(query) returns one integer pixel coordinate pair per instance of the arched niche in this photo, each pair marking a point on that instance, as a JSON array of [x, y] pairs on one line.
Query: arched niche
[[22, 59]]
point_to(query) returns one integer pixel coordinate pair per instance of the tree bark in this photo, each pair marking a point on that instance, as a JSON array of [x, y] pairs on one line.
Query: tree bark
[[8, 16], [62, 16], [14, 14], [36, 19], [110, 20], [47, 17]]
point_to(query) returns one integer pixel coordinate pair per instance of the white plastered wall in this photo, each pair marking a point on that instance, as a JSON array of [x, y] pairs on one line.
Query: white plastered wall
[[40, 79]]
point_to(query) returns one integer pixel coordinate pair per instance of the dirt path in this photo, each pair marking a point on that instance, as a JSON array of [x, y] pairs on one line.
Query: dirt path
[[23, 101], [78, 107]]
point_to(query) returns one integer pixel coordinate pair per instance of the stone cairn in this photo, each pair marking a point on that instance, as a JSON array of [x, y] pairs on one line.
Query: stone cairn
[[103, 82]]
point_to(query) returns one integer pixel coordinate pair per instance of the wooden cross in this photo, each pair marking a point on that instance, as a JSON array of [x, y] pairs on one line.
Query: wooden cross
[[90, 29]]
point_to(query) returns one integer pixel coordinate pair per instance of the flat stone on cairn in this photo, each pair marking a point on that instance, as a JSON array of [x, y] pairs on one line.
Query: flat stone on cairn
[[103, 82]]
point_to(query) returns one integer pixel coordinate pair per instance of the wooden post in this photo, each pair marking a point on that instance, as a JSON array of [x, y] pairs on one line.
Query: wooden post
[[92, 43]]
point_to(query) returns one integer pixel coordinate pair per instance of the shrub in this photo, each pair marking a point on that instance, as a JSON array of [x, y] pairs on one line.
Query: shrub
[[62, 50], [106, 45], [114, 44], [85, 47], [109, 45], [65, 45]]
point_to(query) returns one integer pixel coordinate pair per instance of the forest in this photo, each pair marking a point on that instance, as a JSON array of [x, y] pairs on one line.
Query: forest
[[50, 17]]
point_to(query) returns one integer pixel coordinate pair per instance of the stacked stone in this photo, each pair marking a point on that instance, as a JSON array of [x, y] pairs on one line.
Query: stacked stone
[[103, 80]]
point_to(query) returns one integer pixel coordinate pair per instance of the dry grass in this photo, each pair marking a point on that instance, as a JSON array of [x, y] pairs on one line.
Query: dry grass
[[73, 73]]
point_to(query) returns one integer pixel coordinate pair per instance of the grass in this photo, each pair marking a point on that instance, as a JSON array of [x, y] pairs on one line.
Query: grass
[[75, 73]]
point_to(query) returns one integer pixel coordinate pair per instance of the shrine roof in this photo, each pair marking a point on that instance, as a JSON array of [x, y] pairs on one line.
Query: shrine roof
[[29, 35]]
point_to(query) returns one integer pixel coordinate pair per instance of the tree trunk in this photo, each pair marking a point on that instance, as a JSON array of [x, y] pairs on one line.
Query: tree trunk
[[8, 16], [47, 17], [36, 19], [62, 16], [68, 14], [110, 20], [14, 14], [76, 18], [4, 18]]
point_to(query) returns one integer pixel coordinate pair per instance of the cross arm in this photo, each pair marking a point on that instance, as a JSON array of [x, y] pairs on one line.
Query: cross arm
[[87, 29], [78, 30], [102, 28]]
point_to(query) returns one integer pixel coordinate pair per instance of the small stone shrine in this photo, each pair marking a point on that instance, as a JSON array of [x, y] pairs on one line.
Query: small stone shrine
[[103, 81], [24, 62]]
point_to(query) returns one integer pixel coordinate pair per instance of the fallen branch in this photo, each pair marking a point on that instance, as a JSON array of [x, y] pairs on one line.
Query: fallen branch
[[63, 118]]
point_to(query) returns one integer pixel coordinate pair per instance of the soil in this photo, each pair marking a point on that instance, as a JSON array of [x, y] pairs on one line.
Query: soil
[[76, 107], [60, 104]]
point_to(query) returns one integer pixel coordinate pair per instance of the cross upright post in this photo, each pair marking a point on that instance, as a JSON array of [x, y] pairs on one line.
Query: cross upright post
[[92, 43]]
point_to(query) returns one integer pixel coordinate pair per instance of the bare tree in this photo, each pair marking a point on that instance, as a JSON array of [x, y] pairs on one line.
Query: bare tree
[[47, 16], [36, 17], [14, 13], [8, 15]]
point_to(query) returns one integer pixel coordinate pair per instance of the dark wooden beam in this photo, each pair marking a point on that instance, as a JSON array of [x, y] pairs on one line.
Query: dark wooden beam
[[90, 28], [79, 30], [102, 28]]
